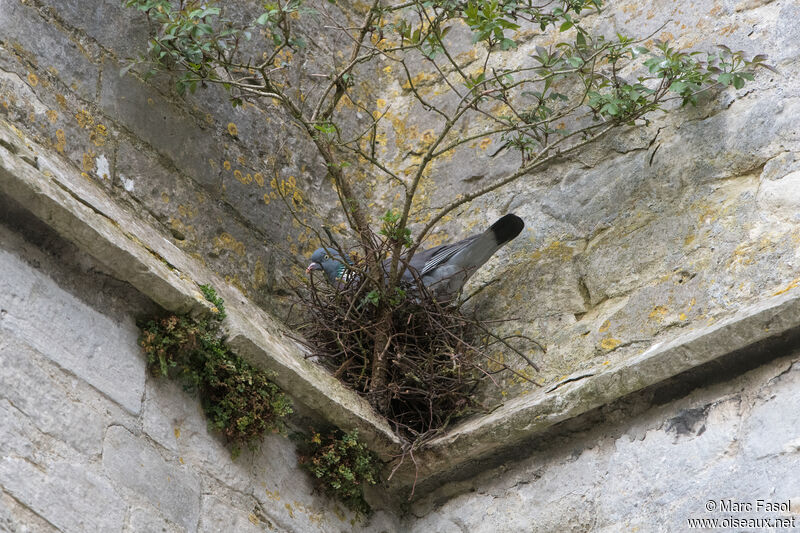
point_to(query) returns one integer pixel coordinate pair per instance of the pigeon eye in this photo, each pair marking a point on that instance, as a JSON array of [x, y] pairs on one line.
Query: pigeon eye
[[326, 256]]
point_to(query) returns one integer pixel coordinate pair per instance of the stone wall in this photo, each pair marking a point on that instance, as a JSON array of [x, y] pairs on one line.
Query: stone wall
[[648, 463], [656, 233], [194, 167], [89, 441], [651, 233], [92, 443]]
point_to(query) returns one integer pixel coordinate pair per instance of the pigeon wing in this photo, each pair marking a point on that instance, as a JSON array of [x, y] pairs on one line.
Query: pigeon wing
[[441, 254]]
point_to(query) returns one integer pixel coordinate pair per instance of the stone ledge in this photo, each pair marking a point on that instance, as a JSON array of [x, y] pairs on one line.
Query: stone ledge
[[83, 213], [526, 417]]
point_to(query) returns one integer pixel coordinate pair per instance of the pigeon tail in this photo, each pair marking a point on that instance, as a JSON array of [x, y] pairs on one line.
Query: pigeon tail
[[475, 251], [507, 228]]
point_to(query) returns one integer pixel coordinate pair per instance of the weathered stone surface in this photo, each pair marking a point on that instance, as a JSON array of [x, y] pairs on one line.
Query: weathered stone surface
[[50, 417], [150, 520], [168, 128], [133, 464], [223, 514], [25, 31], [200, 224], [105, 21], [159, 270], [68, 420], [629, 244], [652, 471], [66, 495], [75, 337], [534, 413], [17, 519], [176, 421], [771, 427]]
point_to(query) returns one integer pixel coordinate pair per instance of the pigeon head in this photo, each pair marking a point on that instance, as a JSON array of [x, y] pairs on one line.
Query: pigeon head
[[330, 261]]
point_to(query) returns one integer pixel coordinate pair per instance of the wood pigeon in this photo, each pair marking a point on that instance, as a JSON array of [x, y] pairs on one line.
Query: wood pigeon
[[443, 269]]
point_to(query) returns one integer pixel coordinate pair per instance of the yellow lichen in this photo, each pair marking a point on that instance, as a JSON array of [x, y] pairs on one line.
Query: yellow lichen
[[226, 241], [609, 343], [232, 129], [61, 141], [260, 278], [88, 161], [187, 211], [33, 79], [658, 313], [789, 287], [246, 179], [84, 118], [98, 135]]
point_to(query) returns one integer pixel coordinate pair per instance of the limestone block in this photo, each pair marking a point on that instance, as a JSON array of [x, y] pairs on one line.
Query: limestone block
[[105, 21], [23, 29], [167, 127], [15, 517], [781, 197], [149, 519], [773, 425], [67, 495], [51, 409], [132, 463], [78, 338], [223, 515]]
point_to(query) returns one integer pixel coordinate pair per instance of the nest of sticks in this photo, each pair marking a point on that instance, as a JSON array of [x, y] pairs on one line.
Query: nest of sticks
[[437, 354]]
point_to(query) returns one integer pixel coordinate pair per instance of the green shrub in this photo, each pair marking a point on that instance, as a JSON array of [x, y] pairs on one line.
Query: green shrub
[[239, 400], [342, 466]]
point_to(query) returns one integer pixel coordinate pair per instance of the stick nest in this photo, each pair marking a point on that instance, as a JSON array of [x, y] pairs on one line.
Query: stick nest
[[437, 354]]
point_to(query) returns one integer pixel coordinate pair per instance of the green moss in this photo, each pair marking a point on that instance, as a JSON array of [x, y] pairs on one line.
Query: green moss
[[239, 400], [342, 466], [211, 296]]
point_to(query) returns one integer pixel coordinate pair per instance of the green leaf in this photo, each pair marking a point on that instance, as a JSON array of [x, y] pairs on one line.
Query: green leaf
[[678, 87], [575, 61]]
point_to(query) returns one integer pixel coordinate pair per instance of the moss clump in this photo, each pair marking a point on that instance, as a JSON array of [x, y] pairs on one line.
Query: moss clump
[[239, 400], [342, 466]]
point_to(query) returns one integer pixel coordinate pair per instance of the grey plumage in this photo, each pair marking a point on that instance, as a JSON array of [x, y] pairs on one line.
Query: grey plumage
[[330, 262], [443, 269]]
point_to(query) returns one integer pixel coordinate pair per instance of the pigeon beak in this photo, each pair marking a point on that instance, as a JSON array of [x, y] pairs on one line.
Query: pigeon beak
[[313, 266]]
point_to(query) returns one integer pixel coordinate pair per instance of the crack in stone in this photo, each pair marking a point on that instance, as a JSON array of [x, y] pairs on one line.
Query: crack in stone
[[30, 509]]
